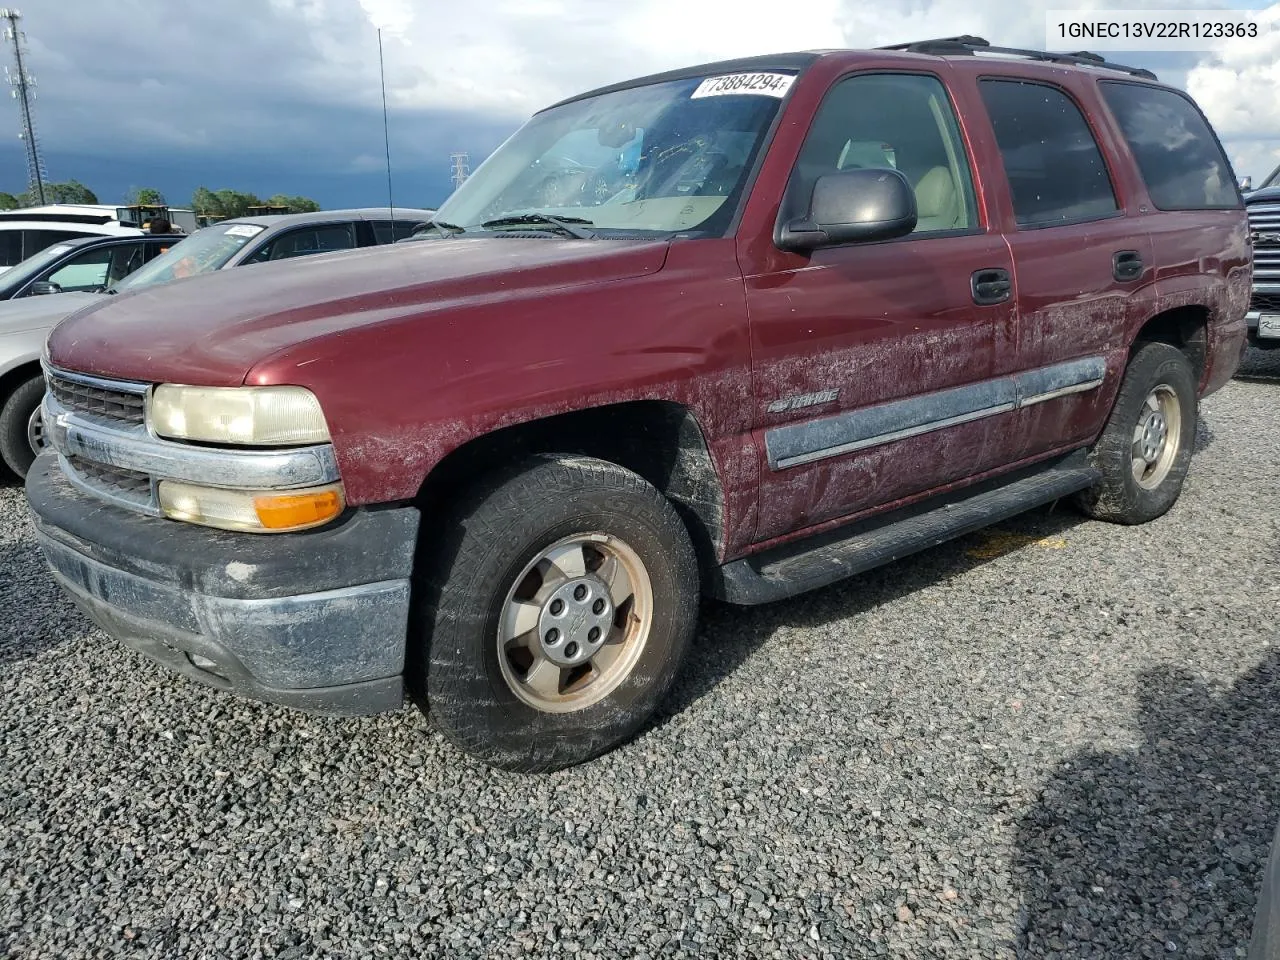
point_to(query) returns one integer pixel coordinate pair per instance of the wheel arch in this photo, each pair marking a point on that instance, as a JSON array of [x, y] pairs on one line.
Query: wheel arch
[[20, 372], [1184, 327], [660, 440]]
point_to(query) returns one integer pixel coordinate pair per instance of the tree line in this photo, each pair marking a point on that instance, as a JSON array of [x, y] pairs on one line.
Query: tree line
[[218, 204], [72, 191]]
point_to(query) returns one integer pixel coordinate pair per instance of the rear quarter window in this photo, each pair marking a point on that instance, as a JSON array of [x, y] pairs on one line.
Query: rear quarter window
[[1177, 153]]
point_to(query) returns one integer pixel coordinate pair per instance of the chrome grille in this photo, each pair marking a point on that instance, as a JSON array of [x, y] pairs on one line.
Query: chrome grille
[[1264, 224], [98, 400], [108, 409], [111, 482], [1265, 302]]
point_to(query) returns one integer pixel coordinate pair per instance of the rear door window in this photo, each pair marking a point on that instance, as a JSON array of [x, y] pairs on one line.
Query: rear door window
[[305, 241], [1179, 157], [1055, 169], [389, 231], [152, 250], [127, 258]]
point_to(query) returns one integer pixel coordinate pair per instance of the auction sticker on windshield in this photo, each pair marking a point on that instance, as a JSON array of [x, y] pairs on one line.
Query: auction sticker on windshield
[[761, 84], [244, 230]]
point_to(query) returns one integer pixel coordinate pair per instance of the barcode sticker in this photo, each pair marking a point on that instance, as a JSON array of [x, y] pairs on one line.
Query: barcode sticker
[[759, 84]]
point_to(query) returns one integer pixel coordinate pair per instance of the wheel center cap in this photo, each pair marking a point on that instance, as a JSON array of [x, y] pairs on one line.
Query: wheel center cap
[[575, 621], [1154, 432], [35, 431]]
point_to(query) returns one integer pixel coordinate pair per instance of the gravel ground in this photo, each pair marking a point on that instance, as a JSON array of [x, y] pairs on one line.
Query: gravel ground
[[1056, 738]]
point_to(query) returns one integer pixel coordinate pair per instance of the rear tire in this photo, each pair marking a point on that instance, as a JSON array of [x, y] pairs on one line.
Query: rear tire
[[16, 423], [1145, 449], [559, 602]]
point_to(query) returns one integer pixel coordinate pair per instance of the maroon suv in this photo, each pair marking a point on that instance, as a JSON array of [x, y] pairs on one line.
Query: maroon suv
[[740, 330]]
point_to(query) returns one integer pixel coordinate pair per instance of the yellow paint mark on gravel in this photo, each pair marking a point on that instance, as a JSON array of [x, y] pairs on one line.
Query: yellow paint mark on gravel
[[998, 543]]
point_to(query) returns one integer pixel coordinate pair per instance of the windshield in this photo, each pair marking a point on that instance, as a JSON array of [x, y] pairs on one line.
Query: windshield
[[666, 157], [203, 252], [28, 268]]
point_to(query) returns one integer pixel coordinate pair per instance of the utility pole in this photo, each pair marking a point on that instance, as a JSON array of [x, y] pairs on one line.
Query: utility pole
[[461, 168], [22, 83]]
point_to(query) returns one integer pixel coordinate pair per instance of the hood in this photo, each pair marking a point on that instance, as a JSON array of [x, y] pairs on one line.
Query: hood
[[35, 313], [211, 330], [1262, 195]]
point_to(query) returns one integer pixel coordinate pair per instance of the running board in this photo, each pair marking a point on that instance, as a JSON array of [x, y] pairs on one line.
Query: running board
[[826, 558]]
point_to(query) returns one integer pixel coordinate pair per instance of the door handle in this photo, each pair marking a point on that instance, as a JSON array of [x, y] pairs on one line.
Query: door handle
[[1126, 265], [991, 285]]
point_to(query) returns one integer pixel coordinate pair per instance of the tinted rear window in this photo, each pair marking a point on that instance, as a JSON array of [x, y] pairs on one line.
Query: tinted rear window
[[17, 245], [386, 231], [1180, 160], [10, 247], [1055, 169]]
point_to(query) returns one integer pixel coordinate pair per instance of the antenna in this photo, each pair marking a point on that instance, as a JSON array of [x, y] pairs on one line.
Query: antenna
[[461, 168], [386, 130], [22, 92]]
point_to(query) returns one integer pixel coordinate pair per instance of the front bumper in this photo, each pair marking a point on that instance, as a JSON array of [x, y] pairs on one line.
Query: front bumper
[[315, 620], [1251, 320]]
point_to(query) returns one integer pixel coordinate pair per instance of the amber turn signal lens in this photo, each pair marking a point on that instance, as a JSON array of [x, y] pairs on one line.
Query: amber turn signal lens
[[293, 511]]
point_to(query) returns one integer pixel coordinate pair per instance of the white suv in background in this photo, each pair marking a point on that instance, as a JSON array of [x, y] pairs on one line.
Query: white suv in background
[[25, 232]]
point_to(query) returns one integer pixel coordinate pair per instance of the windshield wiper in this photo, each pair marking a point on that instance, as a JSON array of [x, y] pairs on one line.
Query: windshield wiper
[[573, 226], [443, 226]]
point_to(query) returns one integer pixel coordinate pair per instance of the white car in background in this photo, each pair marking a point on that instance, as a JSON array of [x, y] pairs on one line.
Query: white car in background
[[25, 323]]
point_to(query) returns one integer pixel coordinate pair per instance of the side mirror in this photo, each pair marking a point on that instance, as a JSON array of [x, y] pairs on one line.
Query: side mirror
[[1246, 183], [43, 287], [873, 203]]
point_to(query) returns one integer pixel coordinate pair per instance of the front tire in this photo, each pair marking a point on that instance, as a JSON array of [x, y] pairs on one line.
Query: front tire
[[558, 610], [1145, 449], [20, 428]]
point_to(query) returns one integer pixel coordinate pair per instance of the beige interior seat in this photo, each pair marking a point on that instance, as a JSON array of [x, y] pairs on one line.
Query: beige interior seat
[[938, 201]]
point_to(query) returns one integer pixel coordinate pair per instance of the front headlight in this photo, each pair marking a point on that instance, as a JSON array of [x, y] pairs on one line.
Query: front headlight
[[249, 416]]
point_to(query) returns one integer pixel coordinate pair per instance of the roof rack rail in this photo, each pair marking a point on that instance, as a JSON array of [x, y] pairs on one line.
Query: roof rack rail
[[8, 216], [966, 40], [969, 45]]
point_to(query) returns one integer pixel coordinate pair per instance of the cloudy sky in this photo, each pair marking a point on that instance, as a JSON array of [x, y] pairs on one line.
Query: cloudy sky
[[283, 95]]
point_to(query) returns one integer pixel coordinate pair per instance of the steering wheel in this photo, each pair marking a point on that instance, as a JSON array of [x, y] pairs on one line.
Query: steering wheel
[[600, 186]]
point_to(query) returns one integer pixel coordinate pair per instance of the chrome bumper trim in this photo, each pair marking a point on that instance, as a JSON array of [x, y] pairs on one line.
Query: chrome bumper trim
[[133, 448]]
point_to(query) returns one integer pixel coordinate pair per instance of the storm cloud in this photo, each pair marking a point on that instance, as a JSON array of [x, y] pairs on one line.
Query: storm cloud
[[283, 95]]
